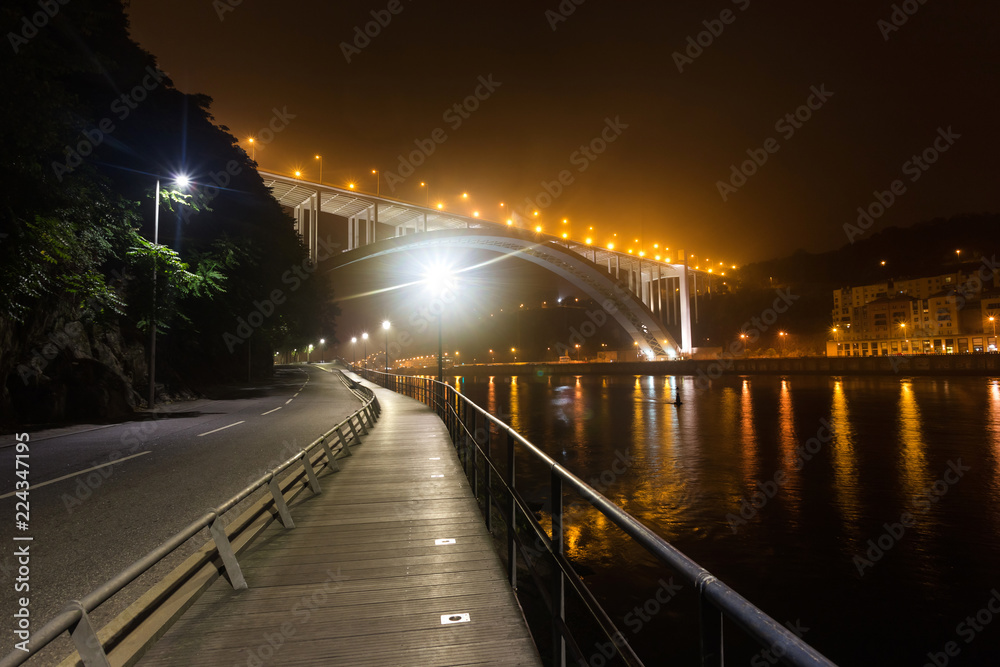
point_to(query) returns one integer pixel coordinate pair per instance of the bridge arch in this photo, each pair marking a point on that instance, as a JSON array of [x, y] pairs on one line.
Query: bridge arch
[[614, 297]]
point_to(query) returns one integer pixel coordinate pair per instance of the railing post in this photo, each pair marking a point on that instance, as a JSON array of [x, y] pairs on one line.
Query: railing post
[[711, 631], [511, 518], [86, 641], [225, 547], [279, 503], [558, 583], [344, 447], [330, 457], [488, 474], [473, 446], [311, 473]]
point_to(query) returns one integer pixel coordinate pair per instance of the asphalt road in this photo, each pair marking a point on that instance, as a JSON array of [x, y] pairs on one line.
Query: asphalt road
[[101, 498]]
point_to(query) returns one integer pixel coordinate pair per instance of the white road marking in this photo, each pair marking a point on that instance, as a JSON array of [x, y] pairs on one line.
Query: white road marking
[[289, 401], [270, 411], [74, 474], [223, 428]]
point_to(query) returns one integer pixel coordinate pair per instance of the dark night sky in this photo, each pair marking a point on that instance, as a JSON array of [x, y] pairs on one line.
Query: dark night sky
[[614, 60]]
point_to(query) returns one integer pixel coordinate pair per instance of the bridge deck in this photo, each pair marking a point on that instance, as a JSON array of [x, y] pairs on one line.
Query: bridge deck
[[360, 581]]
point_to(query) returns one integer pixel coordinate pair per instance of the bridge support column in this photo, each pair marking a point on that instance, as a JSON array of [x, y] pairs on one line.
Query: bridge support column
[[314, 229], [685, 302]]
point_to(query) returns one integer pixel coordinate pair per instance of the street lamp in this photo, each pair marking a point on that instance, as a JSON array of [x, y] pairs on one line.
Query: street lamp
[[354, 347], [743, 337], [364, 339], [427, 198], [439, 280], [253, 149], [378, 183], [513, 351], [320, 158], [322, 348], [385, 325], [182, 182], [492, 358], [781, 341]]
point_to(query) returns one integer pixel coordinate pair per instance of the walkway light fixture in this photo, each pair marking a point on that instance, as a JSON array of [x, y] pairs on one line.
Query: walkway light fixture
[[354, 347], [320, 158], [364, 339]]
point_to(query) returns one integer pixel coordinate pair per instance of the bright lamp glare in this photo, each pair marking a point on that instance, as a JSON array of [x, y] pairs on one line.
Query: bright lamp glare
[[439, 278], [385, 324], [182, 181]]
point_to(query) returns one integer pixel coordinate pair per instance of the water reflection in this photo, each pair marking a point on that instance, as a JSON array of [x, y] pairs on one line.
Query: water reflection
[[845, 466], [913, 462], [748, 437], [788, 444]]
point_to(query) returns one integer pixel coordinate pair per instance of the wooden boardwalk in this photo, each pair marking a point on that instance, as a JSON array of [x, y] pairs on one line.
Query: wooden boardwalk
[[361, 580]]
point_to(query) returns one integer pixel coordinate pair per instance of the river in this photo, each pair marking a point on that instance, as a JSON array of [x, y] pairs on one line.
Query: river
[[862, 511]]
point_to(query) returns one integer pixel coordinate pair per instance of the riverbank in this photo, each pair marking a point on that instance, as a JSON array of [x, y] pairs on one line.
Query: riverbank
[[955, 364]]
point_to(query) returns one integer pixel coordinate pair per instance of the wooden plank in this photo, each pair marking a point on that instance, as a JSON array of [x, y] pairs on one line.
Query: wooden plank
[[360, 581]]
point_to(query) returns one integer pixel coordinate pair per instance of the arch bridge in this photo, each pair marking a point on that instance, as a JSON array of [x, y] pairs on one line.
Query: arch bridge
[[643, 295]]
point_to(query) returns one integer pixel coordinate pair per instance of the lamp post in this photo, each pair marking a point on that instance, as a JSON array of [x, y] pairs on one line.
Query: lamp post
[[492, 358], [253, 149], [427, 189], [322, 349], [993, 320], [513, 351], [378, 183], [439, 280], [781, 342], [182, 182], [364, 339], [743, 337], [354, 347], [385, 326]]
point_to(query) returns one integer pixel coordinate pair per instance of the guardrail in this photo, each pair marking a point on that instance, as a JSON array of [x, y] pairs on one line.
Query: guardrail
[[717, 601], [130, 634]]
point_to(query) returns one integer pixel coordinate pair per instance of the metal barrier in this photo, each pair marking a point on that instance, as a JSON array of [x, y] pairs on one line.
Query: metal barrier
[[75, 618], [717, 601]]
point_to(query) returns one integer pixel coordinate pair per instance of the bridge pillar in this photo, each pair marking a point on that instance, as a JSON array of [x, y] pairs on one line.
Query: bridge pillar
[[685, 303]]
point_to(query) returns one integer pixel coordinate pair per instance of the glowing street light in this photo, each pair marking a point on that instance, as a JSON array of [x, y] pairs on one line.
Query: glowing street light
[[181, 181], [427, 193], [439, 280], [253, 149], [364, 339], [322, 348], [781, 341], [320, 158], [298, 174], [378, 183], [354, 347]]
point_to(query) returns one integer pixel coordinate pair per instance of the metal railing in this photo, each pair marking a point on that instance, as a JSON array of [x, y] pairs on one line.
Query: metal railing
[[75, 617], [717, 601]]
